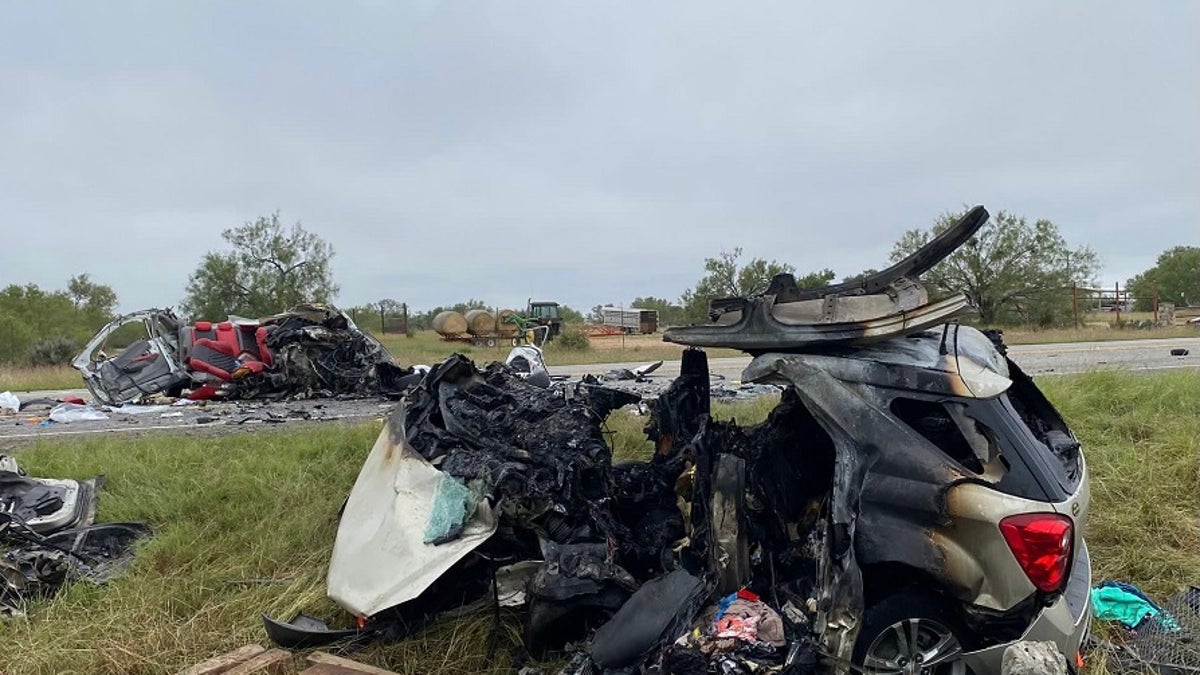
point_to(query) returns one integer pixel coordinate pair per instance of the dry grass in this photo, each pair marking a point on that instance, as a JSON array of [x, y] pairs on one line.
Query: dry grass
[[1093, 333], [245, 524], [32, 378], [427, 347]]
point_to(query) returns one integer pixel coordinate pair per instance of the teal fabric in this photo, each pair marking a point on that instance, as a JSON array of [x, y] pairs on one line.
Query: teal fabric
[[1110, 603], [452, 504]]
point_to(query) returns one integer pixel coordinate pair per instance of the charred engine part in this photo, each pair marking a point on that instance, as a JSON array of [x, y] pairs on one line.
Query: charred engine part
[[36, 566], [576, 589]]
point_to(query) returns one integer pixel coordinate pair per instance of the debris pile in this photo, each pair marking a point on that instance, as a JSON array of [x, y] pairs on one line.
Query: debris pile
[[708, 553], [48, 537], [311, 351]]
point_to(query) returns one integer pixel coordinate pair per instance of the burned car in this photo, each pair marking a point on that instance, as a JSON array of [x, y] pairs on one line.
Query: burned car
[[309, 351], [912, 504]]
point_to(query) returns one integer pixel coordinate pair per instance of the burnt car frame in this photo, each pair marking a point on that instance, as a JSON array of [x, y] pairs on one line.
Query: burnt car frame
[[913, 493]]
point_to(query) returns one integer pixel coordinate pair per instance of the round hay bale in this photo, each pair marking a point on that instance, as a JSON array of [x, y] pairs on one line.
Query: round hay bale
[[480, 322], [504, 327], [449, 323]]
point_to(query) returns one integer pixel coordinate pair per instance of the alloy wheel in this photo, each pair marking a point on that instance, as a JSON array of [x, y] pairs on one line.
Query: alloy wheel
[[915, 647]]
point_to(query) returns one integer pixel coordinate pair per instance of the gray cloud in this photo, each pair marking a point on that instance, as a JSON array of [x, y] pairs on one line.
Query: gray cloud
[[587, 153]]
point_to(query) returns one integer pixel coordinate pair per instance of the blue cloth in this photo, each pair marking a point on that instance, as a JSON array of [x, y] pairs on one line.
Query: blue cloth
[[1126, 603], [724, 605], [453, 503]]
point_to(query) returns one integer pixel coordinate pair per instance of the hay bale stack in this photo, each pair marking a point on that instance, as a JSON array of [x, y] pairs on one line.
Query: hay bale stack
[[480, 322], [450, 323], [505, 327]]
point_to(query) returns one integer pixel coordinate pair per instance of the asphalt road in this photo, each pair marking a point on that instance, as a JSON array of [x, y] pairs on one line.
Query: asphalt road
[[1050, 359], [219, 418]]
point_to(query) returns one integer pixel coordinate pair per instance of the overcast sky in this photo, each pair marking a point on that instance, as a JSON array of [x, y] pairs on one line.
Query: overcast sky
[[582, 152]]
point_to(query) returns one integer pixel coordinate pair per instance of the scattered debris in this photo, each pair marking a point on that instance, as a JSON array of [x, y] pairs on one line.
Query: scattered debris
[[73, 412], [1162, 636], [47, 537], [9, 401], [311, 351]]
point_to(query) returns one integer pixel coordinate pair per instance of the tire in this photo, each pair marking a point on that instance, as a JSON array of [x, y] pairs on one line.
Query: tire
[[491, 342], [932, 634]]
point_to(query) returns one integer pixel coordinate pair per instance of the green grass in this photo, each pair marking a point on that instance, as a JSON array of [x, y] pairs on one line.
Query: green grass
[[245, 524]]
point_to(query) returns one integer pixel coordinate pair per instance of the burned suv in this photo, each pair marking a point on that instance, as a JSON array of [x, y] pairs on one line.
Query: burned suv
[[913, 504]]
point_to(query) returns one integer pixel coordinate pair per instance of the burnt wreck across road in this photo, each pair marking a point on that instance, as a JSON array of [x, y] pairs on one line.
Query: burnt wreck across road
[[912, 504]]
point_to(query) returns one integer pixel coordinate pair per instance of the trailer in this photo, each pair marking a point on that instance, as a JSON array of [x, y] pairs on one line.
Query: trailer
[[632, 320], [482, 328]]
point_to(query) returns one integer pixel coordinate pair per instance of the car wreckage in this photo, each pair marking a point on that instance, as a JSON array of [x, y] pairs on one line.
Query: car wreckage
[[48, 537], [309, 351], [913, 504]]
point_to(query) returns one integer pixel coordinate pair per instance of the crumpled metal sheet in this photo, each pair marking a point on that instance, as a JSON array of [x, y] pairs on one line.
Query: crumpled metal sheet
[[47, 538]]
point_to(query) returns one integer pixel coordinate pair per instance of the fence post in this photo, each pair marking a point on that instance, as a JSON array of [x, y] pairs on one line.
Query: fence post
[[1075, 303], [404, 310], [382, 320], [1156, 302]]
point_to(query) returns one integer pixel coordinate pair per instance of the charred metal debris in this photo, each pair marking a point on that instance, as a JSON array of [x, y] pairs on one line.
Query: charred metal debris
[[48, 537], [485, 488], [311, 351], [732, 548]]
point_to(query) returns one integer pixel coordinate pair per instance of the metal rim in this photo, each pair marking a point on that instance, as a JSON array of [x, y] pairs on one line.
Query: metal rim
[[915, 647]]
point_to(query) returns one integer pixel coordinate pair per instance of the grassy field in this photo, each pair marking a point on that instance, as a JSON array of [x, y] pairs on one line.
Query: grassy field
[[32, 378], [245, 524]]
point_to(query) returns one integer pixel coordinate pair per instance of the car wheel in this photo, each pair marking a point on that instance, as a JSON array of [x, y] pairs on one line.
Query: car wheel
[[911, 633]]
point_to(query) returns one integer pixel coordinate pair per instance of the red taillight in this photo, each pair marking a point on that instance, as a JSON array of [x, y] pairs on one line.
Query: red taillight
[[1042, 544]]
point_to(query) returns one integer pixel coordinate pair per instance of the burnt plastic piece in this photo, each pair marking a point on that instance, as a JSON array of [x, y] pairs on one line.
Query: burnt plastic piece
[[657, 613], [680, 410], [576, 589], [1179, 352], [305, 631]]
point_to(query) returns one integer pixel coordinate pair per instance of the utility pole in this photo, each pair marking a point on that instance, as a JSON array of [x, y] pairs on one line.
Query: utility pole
[[1117, 289], [1075, 303]]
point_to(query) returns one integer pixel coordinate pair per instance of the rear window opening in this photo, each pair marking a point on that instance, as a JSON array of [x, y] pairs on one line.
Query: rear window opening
[[1046, 425], [948, 426]]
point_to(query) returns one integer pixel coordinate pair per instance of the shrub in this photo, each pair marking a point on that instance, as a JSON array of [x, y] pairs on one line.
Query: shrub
[[573, 339], [53, 351]]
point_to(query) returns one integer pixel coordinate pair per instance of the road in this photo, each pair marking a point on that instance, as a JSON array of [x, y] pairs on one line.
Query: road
[[1050, 359], [217, 418]]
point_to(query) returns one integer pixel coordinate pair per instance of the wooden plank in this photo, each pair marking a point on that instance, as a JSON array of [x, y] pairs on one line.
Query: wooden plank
[[222, 663], [351, 667], [273, 662]]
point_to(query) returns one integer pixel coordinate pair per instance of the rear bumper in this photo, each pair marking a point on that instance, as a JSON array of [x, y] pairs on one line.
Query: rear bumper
[[1065, 623]]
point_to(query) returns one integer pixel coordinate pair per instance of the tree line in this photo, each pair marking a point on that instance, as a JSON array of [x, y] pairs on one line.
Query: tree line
[[1013, 271]]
